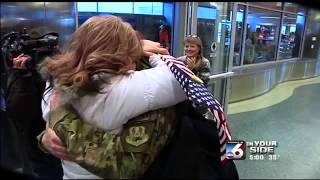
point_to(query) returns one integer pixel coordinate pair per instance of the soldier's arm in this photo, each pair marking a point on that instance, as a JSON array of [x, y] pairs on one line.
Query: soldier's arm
[[126, 154]]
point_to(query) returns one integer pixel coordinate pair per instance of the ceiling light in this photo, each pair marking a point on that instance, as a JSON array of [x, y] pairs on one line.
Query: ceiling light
[[213, 4]]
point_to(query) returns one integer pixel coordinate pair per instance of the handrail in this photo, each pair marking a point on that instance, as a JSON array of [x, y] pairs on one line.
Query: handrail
[[222, 75]]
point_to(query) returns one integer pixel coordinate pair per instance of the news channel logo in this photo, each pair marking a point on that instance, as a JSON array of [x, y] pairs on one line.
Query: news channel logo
[[236, 150], [258, 150]]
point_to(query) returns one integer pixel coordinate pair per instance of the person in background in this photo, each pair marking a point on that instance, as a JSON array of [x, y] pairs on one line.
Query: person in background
[[10, 156], [164, 35], [250, 48], [96, 75], [194, 59], [24, 94]]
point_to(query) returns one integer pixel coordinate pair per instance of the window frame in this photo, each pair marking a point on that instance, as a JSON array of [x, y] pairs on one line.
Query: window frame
[[132, 12], [282, 12]]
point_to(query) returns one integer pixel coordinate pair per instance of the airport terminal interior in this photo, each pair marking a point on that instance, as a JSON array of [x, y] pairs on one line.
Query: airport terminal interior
[[264, 62]]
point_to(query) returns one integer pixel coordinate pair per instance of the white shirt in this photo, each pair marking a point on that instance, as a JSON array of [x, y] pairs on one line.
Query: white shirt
[[127, 96]]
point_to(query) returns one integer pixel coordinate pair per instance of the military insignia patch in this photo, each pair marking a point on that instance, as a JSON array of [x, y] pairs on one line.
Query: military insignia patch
[[137, 136]]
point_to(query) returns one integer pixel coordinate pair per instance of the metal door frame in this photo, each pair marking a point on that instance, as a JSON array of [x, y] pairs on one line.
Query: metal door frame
[[192, 8]]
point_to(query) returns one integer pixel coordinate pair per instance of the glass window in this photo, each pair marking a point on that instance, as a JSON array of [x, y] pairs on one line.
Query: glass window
[[113, 7], [214, 30], [261, 36], [145, 17], [87, 6], [148, 8], [205, 27], [294, 8], [152, 8], [206, 13], [291, 31], [312, 37], [157, 8], [143, 8], [239, 35], [272, 5]]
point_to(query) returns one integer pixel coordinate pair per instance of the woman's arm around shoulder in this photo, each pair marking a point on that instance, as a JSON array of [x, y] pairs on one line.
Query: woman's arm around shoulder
[[152, 89]]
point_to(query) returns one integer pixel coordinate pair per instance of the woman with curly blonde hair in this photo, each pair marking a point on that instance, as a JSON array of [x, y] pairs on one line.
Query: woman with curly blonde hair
[[96, 75]]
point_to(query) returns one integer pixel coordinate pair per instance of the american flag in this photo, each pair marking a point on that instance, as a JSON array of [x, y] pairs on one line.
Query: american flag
[[199, 95]]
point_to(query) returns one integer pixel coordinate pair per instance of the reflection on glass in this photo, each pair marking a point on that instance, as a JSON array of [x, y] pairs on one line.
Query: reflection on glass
[[87, 6], [272, 5], [291, 32], [262, 35], [312, 37], [239, 35], [294, 8]]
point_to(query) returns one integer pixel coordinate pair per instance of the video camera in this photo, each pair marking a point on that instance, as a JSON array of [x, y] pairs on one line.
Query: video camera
[[15, 43]]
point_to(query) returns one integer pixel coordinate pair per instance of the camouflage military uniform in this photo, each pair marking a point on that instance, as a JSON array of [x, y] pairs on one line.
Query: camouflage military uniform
[[130, 153], [107, 154]]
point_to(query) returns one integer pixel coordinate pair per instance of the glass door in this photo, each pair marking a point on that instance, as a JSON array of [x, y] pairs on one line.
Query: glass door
[[212, 22]]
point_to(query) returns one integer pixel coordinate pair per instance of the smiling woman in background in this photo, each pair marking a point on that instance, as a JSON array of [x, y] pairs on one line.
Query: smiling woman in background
[[194, 58]]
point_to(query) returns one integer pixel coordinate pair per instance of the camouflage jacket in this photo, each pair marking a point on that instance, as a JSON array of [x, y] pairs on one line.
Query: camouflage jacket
[[127, 154]]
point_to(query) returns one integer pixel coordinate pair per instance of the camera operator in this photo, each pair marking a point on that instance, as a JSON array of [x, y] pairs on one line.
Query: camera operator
[[24, 95]]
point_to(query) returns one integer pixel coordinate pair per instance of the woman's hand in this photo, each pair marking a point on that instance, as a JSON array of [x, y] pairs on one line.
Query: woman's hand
[[54, 145], [191, 61], [151, 47], [50, 141]]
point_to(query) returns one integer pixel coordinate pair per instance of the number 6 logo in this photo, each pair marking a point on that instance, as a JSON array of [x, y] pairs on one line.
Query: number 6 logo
[[237, 151]]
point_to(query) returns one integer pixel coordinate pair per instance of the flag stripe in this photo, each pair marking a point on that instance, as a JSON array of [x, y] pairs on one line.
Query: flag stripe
[[198, 94], [223, 138]]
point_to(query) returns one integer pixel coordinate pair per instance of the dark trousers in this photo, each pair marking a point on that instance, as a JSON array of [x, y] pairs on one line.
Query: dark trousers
[[40, 164], [26, 155], [11, 157]]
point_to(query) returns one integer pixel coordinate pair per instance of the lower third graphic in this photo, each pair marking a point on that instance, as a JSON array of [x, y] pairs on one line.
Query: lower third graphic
[[236, 150]]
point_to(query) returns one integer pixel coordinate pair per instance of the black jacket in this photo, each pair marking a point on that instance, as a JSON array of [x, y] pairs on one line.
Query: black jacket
[[24, 95], [193, 152]]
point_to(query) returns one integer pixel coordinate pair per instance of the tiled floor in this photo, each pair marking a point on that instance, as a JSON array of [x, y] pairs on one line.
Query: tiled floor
[[280, 93], [290, 115]]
